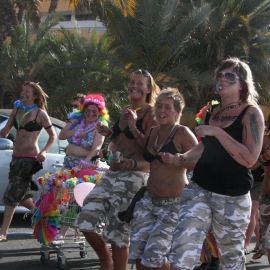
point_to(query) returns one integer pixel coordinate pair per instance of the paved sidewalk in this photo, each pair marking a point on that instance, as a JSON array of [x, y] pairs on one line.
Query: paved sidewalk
[[22, 251]]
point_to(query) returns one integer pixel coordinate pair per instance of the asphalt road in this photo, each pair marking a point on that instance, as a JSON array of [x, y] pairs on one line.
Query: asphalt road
[[22, 251]]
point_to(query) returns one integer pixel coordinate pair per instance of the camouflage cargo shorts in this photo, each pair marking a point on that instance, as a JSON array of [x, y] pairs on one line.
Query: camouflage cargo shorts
[[152, 230], [20, 176], [112, 194], [229, 216], [265, 221]]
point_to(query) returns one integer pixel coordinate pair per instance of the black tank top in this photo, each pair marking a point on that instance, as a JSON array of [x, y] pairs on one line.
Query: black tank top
[[216, 170], [167, 148], [258, 174]]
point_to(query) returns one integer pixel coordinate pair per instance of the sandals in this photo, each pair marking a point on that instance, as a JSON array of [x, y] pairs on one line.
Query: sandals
[[3, 238], [257, 255]]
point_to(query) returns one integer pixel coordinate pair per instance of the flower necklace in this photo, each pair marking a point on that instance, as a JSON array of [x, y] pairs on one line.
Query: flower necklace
[[19, 104], [157, 147]]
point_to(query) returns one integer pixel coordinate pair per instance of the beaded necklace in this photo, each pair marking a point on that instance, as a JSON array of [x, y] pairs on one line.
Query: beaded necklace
[[226, 108]]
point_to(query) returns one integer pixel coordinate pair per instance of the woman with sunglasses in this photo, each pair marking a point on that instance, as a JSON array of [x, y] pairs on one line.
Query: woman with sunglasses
[[128, 173], [29, 117], [218, 194]]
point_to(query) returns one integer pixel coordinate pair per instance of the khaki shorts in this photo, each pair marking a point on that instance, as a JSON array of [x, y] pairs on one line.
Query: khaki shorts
[[20, 176], [111, 195]]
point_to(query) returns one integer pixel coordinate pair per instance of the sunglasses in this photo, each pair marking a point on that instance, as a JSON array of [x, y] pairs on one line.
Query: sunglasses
[[75, 106], [229, 76], [144, 72]]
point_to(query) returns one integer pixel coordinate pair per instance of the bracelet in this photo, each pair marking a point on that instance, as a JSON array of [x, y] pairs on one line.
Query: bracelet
[[134, 164]]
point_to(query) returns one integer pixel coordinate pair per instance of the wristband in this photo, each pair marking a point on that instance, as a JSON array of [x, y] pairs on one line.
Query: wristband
[[134, 164]]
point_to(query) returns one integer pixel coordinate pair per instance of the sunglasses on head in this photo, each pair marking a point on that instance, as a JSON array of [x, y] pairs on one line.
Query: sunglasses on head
[[229, 76], [144, 72]]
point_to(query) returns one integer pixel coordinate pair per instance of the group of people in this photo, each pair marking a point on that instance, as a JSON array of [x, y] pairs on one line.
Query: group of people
[[169, 215]]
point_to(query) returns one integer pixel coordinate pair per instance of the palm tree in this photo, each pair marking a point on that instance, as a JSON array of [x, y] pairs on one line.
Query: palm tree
[[156, 36], [181, 42], [12, 13], [234, 28], [7, 19], [26, 52], [79, 65]]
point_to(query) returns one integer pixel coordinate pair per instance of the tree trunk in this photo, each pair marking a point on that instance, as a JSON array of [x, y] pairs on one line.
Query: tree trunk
[[7, 19], [53, 6]]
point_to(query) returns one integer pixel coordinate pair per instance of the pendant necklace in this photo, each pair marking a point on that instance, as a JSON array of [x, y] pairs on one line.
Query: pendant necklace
[[156, 146]]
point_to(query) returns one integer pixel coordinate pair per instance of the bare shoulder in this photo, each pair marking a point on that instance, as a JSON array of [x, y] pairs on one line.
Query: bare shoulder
[[43, 117], [184, 138], [253, 118], [183, 131], [253, 111]]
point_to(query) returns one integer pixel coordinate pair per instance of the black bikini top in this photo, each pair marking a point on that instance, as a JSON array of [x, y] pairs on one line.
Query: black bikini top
[[167, 148], [126, 131], [29, 126]]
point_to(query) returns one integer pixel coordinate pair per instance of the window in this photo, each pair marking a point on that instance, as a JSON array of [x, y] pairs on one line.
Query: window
[[85, 17], [65, 18]]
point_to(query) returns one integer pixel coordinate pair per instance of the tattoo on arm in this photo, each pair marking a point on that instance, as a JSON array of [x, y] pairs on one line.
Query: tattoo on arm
[[254, 128]]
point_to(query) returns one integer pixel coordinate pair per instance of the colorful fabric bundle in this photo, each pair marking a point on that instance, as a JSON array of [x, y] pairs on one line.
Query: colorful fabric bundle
[[46, 220], [57, 189]]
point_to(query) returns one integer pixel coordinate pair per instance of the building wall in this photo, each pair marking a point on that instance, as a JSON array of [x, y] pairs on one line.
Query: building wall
[[85, 27]]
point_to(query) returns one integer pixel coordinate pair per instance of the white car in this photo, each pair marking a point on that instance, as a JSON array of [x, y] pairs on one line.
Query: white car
[[54, 158]]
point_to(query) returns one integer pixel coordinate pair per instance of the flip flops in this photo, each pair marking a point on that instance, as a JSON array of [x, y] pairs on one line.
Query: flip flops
[[3, 238], [257, 255]]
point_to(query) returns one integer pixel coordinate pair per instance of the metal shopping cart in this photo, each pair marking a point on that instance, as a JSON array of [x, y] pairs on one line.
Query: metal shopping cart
[[57, 207]]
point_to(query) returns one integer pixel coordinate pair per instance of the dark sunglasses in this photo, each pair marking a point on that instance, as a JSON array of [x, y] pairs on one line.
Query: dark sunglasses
[[75, 106], [229, 76], [144, 72]]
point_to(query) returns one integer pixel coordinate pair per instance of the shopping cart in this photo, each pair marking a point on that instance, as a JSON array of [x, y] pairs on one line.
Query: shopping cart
[[57, 207]]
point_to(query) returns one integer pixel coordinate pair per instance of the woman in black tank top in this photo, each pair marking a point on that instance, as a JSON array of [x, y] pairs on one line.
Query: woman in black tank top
[[219, 193]]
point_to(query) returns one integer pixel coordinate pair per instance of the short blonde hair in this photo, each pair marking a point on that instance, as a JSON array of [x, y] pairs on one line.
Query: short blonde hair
[[176, 96]]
